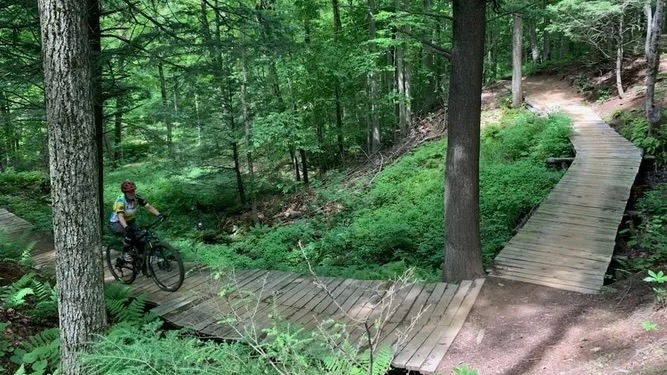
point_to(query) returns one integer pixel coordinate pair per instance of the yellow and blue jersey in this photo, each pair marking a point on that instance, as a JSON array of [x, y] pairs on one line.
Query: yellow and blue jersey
[[127, 207]]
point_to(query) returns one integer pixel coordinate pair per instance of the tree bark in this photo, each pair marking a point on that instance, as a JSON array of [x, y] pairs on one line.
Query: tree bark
[[619, 60], [166, 110], [248, 133], [517, 60], [534, 48], [463, 256], [374, 123], [648, 12], [95, 40], [653, 113], [339, 107], [73, 150], [304, 166]]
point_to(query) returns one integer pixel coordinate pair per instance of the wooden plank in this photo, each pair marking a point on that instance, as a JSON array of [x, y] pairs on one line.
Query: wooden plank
[[399, 315], [452, 329], [434, 330], [554, 260], [567, 284], [541, 270]]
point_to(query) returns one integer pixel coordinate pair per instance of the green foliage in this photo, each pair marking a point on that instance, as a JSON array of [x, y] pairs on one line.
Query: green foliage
[[27, 194], [6, 346], [15, 294], [660, 291], [464, 370], [123, 308], [37, 297], [39, 353], [16, 249], [649, 326], [635, 129], [650, 235]]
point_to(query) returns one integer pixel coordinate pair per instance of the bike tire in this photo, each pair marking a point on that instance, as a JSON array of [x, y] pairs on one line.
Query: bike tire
[[121, 269], [166, 267]]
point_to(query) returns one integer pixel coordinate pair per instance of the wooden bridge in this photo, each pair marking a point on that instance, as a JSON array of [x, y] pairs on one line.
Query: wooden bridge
[[566, 244], [569, 241]]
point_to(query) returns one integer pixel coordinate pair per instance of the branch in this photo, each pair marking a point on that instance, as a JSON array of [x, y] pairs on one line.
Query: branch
[[446, 52]]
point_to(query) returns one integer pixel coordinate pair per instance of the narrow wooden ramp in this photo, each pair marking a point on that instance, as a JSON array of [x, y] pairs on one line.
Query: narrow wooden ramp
[[569, 240], [12, 224], [419, 321]]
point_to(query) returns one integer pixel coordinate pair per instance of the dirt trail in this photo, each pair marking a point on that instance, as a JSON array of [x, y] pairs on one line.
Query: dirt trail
[[523, 329]]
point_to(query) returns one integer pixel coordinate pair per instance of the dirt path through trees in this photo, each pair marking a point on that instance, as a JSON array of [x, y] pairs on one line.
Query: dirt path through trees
[[522, 329]]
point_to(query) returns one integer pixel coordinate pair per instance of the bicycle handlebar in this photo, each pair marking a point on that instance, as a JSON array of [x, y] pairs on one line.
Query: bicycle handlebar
[[157, 222]]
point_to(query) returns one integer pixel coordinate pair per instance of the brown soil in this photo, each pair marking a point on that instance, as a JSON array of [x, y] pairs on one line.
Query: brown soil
[[516, 328]]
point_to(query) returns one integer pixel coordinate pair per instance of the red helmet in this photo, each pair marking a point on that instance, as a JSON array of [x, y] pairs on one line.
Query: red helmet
[[128, 186]]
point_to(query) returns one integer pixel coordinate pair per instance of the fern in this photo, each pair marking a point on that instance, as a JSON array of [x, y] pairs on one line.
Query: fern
[[13, 295], [46, 296], [41, 352], [123, 307]]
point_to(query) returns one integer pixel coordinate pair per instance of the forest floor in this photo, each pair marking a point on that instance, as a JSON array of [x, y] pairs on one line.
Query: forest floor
[[516, 328]]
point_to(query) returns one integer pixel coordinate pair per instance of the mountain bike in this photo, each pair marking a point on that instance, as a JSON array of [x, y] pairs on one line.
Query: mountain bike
[[150, 256]]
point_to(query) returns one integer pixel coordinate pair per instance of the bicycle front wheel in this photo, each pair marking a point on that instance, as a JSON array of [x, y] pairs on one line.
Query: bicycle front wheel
[[166, 267], [121, 268]]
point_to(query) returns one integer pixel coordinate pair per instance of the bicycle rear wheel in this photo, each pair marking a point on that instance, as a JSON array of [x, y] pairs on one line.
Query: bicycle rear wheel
[[121, 269], [166, 267]]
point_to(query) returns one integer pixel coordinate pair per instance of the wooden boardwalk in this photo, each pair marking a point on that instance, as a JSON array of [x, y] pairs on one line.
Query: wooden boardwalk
[[418, 321], [569, 240]]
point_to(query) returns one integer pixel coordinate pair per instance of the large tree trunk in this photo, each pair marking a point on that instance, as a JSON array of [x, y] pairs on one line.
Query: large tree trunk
[[653, 113], [70, 108], [517, 60], [463, 255]]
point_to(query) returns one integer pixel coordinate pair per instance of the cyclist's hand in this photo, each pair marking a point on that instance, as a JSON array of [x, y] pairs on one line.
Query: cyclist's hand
[[130, 231]]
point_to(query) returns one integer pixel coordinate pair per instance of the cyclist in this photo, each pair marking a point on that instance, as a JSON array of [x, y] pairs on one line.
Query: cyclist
[[122, 221]]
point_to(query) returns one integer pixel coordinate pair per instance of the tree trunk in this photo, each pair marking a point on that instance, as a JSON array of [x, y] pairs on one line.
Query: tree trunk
[[648, 12], [653, 113], [248, 133], [304, 166], [534, 48], [166, 110], [517, 60], [619, 61], [73, 148], [339, 108], [374, 123], [6, 123], [95, 40], [402, 81], [463, 255], [118, 129]]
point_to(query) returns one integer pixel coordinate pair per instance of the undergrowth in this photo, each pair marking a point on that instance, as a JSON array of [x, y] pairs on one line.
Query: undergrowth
[[397, 222]]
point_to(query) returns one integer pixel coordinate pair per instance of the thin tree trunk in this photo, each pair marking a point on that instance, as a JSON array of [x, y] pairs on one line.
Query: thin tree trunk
[[534, 48], [648, 12], [463, 256], [304, 166], [337, 25], [74, 172], [95, 40], [374, 124], [248, 132], [6, 123], [166, 110], [517, 60], [118, 129], [619, 60], [653, 112]]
